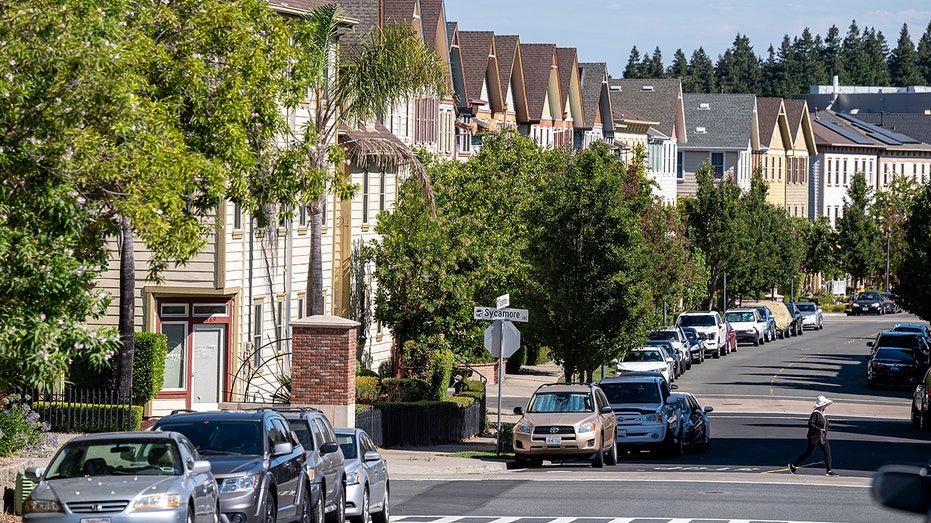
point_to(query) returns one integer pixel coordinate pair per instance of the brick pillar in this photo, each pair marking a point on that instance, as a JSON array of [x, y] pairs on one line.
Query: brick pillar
[[323, 367]]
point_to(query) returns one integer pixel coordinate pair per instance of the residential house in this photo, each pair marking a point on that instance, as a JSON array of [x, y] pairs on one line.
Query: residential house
[[724, 131], [510, 67], [798, 150], [544, 100], [595, 123], [465, 127], [571, 100], [770, 159], [483, 81], [660, 101]]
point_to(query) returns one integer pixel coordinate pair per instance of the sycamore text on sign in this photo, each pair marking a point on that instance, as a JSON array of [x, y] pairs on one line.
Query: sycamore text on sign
[[491, 313]]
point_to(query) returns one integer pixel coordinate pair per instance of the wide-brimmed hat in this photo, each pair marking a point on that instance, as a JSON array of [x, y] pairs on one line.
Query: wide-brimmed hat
[[821, 401]]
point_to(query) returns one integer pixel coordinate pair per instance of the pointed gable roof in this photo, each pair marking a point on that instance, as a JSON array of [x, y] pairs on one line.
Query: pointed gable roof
[[456, 73], [657, 99], [771, 113], [800, 121], [477, 51], [404, 11], [569, 85], [593, 78], [721, 121], [539, 60], [511, 70]]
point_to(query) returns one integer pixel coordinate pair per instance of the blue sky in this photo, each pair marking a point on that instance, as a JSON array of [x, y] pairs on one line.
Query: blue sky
[[606, 30]]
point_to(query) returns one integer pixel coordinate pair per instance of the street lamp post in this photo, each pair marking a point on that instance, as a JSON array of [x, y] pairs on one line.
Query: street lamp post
[[888, 237]]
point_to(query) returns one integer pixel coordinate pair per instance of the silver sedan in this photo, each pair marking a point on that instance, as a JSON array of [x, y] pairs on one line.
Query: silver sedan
[[367, 485], [124, 477]]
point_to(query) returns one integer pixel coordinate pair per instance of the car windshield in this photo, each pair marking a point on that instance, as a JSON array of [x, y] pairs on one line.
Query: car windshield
[[763, 311], [347, 442], [892, 353], [645, 392], [690, 333], [302, 431], [739, 316], [643, 355], [561, 402], [868, 296], [138, 457], [663, 335], [807, 306], [700, 320], [904, 342], [907, 328], [221, 437]]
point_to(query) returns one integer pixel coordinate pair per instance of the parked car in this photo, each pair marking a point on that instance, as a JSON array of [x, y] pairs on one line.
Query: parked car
[[913, 327], [869, 302], [921, 403], [797, 326], [647, 359], [367, 485], [783, 318], [894, 360], [812, 316], [678, 363], [730, 338], [326, 468], [710, 326], [889, 304], [646, 420], [770, 320], [914, 341], [258, 462], [566, 422], [748, 325], [696, 348], [674, 335], [694, 427], [125, 477]]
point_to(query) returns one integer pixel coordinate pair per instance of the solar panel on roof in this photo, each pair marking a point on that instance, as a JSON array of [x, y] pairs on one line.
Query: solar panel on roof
[[898, 138], [883, 138], [852, 136]]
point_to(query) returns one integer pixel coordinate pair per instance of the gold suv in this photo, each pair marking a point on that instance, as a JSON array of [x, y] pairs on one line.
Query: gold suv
[[566, 422]]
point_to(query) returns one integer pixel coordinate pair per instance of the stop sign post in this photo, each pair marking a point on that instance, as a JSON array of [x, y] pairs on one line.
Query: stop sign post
[[502, 339]]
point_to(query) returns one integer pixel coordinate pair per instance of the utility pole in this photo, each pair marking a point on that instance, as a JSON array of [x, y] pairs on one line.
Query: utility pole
[[888, 237]]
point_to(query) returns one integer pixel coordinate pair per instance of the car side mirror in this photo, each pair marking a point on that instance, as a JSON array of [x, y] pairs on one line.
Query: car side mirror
[[869, 344], [33, 473], [282, 447], [902, 487], [518, 410], [200, 467], [372, 455], [329, 447], [606, 410]]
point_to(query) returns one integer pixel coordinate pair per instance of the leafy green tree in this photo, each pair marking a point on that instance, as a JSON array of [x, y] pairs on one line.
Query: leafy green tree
[[914, 288], [903, 62], [890, 209], [714, 226], [587, 260], [821, 250], [858, 232]]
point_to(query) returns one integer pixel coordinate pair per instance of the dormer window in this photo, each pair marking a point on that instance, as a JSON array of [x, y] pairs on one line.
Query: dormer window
[[647, 88], [704, 106], [616, 88], [701, 130]]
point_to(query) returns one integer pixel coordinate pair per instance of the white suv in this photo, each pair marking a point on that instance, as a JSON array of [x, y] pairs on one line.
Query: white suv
[[748, 325], [710, 326]]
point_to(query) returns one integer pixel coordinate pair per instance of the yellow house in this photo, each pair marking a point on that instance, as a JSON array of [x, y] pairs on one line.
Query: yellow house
[[797, 155]]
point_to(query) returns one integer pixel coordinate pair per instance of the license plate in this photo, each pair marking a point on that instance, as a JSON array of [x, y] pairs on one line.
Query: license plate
[[95, 520], [553, 440], [622, 433]]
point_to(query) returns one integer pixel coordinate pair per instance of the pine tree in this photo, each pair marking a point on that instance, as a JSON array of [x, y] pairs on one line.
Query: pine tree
[[831, 55], [738, 69], [633, 65], [876, 54], [809, 70], [923, 58], [679, 66], [655, 69], [903, 62], [853, 56], [701, 73]]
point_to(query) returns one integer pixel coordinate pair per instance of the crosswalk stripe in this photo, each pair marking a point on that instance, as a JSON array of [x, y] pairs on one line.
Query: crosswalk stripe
[[547, 519]]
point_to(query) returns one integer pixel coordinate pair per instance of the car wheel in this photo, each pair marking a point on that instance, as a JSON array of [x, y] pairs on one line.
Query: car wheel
[[680, 447], [611, 458], [364, 516], [383, 515], [870, 384], [916, 423], [268, 511], [190, 515], [599, 460], [756, 342], [717, 353], [924, 422], [316, 513], [339, 514], [216, 513]]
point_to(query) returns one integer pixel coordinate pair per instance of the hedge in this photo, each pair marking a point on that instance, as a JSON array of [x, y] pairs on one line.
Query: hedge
[[87, 417]]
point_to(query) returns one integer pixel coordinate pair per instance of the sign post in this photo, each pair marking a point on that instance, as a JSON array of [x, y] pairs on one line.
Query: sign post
[[502, 339]]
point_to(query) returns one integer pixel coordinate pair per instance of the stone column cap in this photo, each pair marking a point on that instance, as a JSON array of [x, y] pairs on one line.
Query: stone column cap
[[326, 321]]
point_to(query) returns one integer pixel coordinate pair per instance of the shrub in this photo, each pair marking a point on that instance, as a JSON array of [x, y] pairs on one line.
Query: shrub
[[367, 389], [441, 371], [505, 438], [149, 353], [515, 361], [21, 430], [537, 355], [398, 390]]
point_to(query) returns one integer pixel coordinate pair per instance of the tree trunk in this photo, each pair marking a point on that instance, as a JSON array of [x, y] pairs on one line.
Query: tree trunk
[[315, 264], [127, 307]]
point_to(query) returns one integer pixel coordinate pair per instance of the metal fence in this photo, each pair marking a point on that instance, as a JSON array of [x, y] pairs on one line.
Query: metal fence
[[422, 425], [80, 410]]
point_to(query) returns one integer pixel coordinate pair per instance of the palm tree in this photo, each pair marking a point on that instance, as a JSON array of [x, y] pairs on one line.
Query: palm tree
[[351, 81]]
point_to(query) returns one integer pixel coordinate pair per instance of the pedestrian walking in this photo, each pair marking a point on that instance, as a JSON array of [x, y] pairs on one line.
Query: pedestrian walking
[[817, 437]]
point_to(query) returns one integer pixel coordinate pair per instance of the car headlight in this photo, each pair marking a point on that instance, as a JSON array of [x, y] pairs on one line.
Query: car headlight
[[587, 427], [157, 501], [523, 428], [240, 484], [352, 478], [41, 505], [653, 418], [712, 335]]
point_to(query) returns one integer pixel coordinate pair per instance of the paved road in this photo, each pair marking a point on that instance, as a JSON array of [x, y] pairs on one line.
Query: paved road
[[762, 396]]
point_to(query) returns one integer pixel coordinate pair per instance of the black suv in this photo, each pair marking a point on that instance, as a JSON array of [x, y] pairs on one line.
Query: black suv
[[325, 463], [257, 460]]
